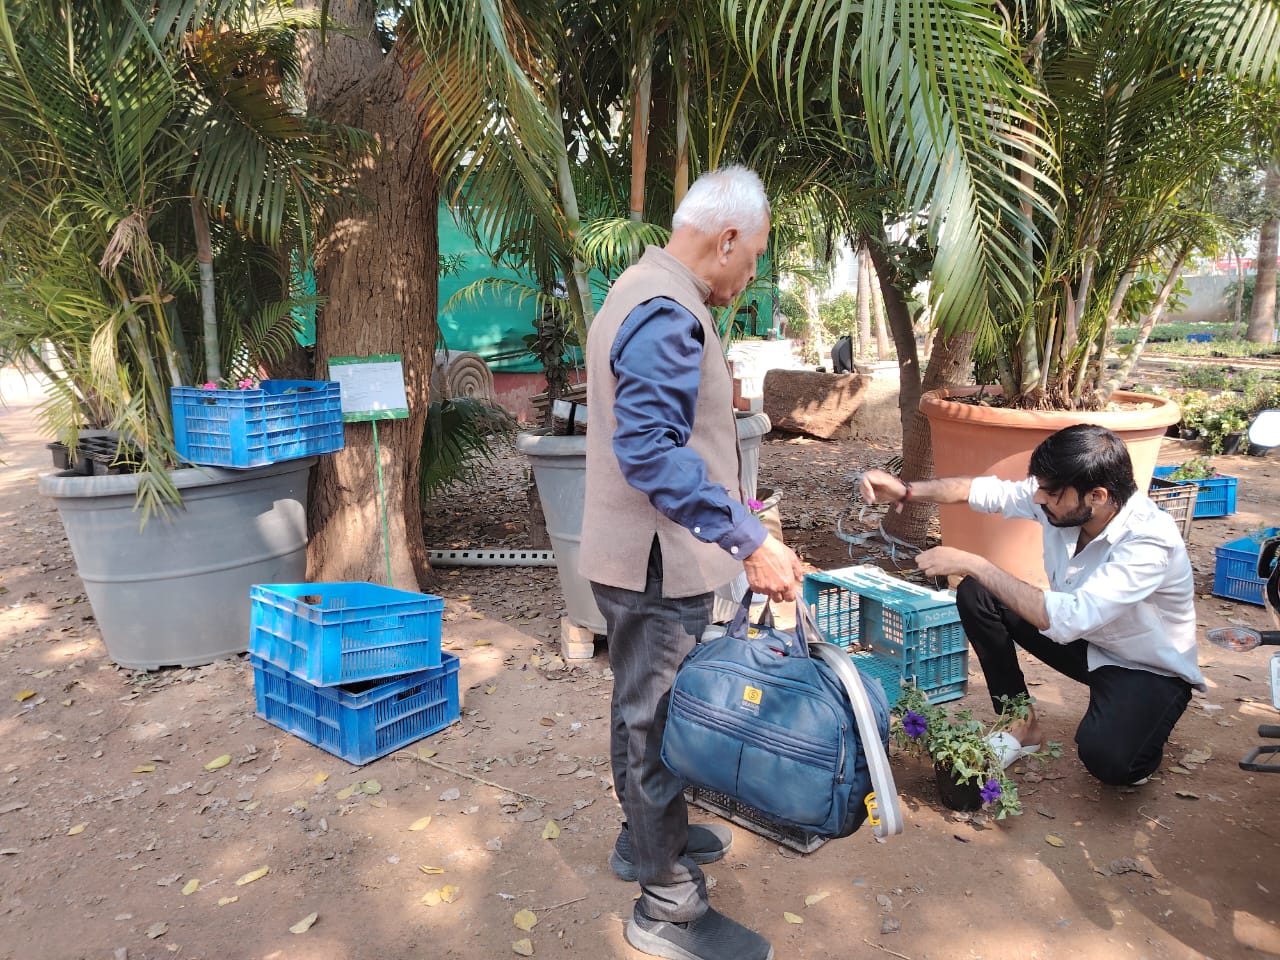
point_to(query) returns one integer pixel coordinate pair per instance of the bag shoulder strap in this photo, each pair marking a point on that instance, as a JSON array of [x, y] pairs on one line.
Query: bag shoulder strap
[[885, 813]]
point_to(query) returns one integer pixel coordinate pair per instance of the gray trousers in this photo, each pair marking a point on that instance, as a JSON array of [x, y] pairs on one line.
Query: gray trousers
[[648, 638]]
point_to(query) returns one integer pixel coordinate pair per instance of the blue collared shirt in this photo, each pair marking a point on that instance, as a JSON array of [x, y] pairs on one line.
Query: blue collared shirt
[[657, 359]]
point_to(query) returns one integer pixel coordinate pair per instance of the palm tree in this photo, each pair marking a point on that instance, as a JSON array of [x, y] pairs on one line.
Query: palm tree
[[145, 148]]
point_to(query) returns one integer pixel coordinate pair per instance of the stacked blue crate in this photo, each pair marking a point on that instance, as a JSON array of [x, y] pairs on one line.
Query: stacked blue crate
[[353, 668]]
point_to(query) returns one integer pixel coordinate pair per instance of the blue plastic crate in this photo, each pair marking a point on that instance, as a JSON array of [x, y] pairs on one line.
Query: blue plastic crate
[[835, 609], [1235, 571], [1217, 497], [278, 420], [362, 721], [332, 633], [905, 633]]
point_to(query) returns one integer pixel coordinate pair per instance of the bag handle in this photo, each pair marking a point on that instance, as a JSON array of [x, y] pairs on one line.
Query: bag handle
[[883, 809], [740, 626]]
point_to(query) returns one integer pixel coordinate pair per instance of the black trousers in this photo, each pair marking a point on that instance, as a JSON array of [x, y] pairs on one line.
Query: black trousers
[[1131, 712], [649, 637]]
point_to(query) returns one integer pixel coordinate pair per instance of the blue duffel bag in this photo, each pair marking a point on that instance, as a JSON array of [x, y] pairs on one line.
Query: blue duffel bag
[[784, 723]]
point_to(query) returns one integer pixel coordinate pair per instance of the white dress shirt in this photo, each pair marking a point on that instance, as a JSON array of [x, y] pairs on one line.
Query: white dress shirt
[[1129, 592]]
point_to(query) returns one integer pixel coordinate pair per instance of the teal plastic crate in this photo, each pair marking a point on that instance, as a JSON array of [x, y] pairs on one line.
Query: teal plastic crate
[[277, 420], [905, 633], [1217, 497], [333, 633], [362, 721], [1235, 571]]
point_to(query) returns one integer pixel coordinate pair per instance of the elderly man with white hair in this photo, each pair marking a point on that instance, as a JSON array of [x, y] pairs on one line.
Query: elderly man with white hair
[[664, 526]]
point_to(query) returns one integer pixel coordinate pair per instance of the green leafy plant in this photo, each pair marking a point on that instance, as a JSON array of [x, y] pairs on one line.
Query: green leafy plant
[[959, 743], [149, 148], [1198, 468], [461, 434]]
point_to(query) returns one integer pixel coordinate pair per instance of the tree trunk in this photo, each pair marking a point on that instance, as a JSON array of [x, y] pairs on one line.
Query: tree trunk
[[898, 315], [878, 314], [864, 305], [642, 84], [376, 264], [1237, 306], [1262, 318], [948, 365], [208, 299]]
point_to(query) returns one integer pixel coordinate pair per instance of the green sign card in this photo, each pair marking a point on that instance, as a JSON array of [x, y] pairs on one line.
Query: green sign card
[[372, 387]]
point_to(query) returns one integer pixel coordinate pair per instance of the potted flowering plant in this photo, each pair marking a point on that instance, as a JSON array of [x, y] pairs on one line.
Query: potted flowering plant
[[968, 770]]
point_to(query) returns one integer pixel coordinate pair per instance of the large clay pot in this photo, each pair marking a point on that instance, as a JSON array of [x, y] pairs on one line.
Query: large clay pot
[[970, 440]]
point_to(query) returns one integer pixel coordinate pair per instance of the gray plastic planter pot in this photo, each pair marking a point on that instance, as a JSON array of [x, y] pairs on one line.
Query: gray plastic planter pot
[[176, 591], [560, 471]]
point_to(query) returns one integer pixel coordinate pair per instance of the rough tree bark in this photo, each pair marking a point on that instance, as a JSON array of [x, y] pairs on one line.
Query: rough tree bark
[[864, 305], [948, 365], [1262, 318], [376, 264], [898, 314]]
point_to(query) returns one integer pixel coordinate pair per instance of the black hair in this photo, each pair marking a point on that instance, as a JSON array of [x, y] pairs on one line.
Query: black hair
[[1084, 456]]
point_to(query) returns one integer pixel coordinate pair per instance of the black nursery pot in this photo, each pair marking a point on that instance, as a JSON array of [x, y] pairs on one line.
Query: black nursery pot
[[964, 797]]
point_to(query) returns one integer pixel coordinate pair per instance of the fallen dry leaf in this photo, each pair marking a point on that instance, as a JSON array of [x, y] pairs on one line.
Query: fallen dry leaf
[[433, 870], [523, 947], [303, 925], [190, 887], [1053, 840], [145, 768], [253, 875], [223, 901], [24, 695], [217, 763], [450, 893], [319, 778], [432, 898], [551, 831], [157, 930], [371, 787], [813, 898], [1186, 795], [526, 920], [420, 824], [426, 754], [791, 917], [346, 792], [77, 829]]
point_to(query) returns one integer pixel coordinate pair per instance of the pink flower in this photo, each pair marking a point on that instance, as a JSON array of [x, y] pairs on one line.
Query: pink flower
[[246, 384], [209, 386], [754, 505]]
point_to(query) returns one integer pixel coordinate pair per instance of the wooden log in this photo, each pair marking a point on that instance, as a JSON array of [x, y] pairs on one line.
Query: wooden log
[[818, 404]]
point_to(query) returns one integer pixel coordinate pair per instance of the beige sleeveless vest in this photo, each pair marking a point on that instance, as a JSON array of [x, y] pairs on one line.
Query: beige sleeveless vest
[[619, 523]]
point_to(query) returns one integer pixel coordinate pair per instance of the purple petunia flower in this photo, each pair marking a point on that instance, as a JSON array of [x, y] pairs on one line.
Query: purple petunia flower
[[990, 791], [753, 504], [914, 723]]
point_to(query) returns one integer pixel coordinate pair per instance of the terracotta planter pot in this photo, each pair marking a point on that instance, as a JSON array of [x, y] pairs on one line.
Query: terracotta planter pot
[[976, 441]]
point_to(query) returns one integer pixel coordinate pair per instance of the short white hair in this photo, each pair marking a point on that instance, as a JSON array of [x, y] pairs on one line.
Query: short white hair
[[727, 197]]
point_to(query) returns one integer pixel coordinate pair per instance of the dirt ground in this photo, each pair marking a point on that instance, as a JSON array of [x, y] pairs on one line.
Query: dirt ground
[[108, 814]]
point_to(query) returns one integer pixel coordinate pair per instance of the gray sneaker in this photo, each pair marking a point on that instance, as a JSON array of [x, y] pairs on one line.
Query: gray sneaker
[[706, 844], [713, 936]]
